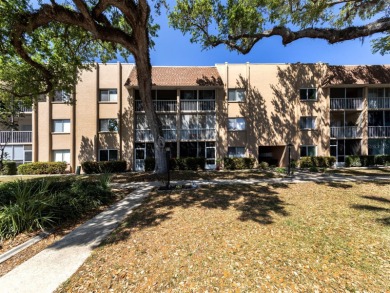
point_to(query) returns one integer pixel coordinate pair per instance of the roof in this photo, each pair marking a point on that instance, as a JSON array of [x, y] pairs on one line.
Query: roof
[[359, 74], [180, 76]]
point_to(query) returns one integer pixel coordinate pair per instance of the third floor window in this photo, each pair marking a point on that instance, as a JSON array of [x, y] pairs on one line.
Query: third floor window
[[61, 125], [236, 95], [106, 125], [236, 124], [308, 94], [307, 122]]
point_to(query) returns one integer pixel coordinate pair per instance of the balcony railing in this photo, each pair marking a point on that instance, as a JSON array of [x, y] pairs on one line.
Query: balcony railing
[[203, 105], [378, 131], [159, 106], [346, 104], [8, 137], [196, 134], [146, 134], [345, 132], [379, 103]]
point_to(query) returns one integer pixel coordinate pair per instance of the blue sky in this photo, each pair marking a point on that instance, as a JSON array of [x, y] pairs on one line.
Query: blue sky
[[172, 48]]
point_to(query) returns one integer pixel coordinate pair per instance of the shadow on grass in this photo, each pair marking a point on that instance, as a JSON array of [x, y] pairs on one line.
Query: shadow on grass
[[255, 203], [371, 208], [335, 184], [361, 172]]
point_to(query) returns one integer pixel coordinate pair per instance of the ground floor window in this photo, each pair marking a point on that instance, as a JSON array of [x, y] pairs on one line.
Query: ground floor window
[[61, 156], [379, 146], [308, 151], [18, 153], [236, 152], [108, 155]]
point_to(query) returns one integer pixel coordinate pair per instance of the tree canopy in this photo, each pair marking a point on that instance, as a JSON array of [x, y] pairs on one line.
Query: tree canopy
[[240, 24]]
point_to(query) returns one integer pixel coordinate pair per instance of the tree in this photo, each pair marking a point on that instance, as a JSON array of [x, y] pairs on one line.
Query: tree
[[240, 24], [57, 40]]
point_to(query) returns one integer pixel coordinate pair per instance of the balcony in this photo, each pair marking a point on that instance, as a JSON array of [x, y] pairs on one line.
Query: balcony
[[197, 134], [202, 105], [11, 137], [379, 103], [159, 106], [346, 104], [378, 131], [345, 132], [146, 134]]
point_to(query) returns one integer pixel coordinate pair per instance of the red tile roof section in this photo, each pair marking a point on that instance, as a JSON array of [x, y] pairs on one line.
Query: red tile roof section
[[180, 76]]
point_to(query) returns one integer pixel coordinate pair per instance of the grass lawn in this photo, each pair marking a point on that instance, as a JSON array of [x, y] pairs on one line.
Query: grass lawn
[[261, 238]]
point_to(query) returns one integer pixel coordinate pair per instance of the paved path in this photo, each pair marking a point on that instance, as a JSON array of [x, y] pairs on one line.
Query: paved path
[[51, 267]]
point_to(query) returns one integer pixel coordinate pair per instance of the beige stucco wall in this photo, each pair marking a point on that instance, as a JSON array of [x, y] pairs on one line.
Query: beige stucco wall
[[43, 131]]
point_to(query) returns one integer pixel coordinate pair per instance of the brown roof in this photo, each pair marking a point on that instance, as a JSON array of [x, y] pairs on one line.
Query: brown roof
[[360, 74], [180, 76]]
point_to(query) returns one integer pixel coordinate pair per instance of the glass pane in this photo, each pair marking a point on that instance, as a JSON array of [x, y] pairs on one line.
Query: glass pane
[[240, 123], [26, 128], [303, 94], [311, 151], [28, 156], [104, 96], [103, 154], [232, 95], [66, 156], [113, 95], [139, 154], [210, 153], [103, 124], [57, 126], [375, 146], [113, 155], [240, 95], [57, 156], [311, 94], [303, 151], [8, 152], [66, 124], [232, 124], [18, 152], [188, 95]]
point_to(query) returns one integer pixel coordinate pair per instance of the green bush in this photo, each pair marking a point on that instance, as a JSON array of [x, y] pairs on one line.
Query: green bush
[[280, 170], [264, 165], [9, 168], [382, 160], [238, 163], [353, 161], [92, 167], [37, 168], [367, 161], [319, 162], [194, 164], [35, 204], [190, 163]]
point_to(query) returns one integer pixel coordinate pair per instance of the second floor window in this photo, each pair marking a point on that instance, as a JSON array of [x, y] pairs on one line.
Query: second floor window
[[236, 124], [61, 125], [307, 122], [236, 95], [236, 152], [108, 125], [309, 94], [109, 95]]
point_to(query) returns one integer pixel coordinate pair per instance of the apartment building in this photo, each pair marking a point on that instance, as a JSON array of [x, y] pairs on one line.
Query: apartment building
[[235, 110]]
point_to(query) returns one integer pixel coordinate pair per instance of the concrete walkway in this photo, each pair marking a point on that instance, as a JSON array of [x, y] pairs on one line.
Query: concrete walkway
[[51, 267]]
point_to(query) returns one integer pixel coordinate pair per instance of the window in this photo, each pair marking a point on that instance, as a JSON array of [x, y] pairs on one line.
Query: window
[[61, 96], [109, 95], [307, 151], [61, 125], [309, 94], [236, 152], [307, 122], [61, 156], [108, 125], [236, 124], [108, 155], [236, 95]]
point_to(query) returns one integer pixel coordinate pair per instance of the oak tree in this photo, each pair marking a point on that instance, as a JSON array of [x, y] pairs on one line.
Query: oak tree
[[45, 44], [240, 24]]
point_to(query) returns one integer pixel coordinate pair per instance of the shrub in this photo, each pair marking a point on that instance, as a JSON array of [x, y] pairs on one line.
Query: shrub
[[42, 168], [313, 169], [238, 163], [352, 161], [367, 161], [194, 164], [319, 162], [9, 168], [190, 163], [264, 165], [280, 170], [92, 167], [382, 160]]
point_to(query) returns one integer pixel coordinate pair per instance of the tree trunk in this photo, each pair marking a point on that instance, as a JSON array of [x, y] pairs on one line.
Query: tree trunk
[[144, 76]]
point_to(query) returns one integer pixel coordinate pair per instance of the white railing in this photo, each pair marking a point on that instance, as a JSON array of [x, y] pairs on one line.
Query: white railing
[[25, 109], [345, 132], [349, 103], [146, 134], [202, 105], [379, 103], [159, 106], [15, 136], [195, 134], [378, 131]]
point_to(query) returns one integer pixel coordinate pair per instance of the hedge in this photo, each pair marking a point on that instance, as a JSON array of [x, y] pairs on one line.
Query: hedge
[[92, 167], [319, 162], [238, 163], [366, 161], [190, 163], [9, 168], [37, 168]]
